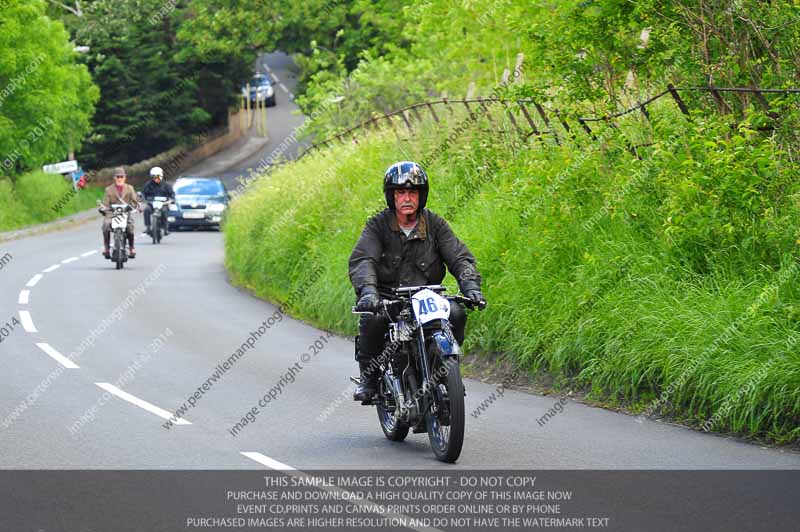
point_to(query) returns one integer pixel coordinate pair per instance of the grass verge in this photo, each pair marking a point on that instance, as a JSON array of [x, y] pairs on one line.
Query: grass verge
[[667, 283], [38, 197]]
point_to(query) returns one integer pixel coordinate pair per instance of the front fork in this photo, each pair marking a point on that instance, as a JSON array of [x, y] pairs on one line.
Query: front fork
[[448, 347]]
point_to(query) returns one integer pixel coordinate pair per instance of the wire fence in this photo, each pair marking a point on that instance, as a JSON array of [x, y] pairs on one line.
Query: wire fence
[[530, 118]]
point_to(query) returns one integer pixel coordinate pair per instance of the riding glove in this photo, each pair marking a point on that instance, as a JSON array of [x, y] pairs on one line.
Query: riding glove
[[476, 296], [369, 299]]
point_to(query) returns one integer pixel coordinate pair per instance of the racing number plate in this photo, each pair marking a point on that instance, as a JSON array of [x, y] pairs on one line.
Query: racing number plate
[[428, 306]]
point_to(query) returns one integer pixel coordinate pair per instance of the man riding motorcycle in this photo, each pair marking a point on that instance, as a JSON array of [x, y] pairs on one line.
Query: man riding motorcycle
[[118, 192], [404, 245], [154, 188]]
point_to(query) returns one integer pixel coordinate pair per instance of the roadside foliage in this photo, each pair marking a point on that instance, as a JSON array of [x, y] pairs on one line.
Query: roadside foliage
[[666, 284]]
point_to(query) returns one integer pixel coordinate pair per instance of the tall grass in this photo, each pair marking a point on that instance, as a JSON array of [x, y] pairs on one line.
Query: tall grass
[[671, 277], [38, 197]]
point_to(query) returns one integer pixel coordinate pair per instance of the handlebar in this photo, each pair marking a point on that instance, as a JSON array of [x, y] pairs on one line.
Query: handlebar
[[115, 208], [385, 304]]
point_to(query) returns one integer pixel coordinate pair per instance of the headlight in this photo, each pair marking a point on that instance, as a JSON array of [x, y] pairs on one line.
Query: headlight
[[173, 207], [216, 208]]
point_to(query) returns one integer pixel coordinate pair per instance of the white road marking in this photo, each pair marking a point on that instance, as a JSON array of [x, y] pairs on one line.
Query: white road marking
[[291, 96], [35, 279], [92, 252], [67, 261], [344, 495], [24, 297], [282, 86], [141, 403], [27, 322], [274, 78], [269, 462], [268, 69], [58, 357], [52, 268]]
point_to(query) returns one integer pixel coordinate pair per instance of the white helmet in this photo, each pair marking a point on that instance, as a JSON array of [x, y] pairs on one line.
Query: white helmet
[[156, 171]]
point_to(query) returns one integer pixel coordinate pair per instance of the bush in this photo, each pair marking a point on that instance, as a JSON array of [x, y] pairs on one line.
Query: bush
[[39, 197], [670, 278]]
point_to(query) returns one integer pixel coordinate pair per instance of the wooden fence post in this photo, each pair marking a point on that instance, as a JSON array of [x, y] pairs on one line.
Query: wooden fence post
[[433, 113], [674, 93], [470, 91]]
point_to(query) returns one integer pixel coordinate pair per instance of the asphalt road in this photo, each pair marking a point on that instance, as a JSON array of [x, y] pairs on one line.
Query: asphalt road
[[152, 336]]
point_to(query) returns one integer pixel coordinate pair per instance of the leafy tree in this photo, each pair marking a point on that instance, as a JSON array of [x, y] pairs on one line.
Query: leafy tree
[[46, 98], [326, 35], [149, 103]]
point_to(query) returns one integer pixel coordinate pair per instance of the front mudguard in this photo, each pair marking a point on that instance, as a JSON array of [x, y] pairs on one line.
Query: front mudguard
[[446, 342]]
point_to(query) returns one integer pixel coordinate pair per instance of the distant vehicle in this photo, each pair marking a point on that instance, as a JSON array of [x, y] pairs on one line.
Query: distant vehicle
[[260, 88], [199, 202], [158, 220]]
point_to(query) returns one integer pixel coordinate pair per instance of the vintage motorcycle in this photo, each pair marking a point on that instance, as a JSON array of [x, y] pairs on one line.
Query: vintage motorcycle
[[420, 377], [119, 224], [158, 218]]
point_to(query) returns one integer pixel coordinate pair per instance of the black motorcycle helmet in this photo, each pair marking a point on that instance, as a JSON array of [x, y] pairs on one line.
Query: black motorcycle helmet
[[405, 174]]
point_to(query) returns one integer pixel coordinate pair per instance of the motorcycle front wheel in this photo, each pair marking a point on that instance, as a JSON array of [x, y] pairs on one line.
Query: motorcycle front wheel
[[119, 248], [446, 425], [393, 429], [155, 230]]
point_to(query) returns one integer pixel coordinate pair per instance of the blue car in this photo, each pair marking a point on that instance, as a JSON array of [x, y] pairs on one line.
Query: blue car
[[199, 202]]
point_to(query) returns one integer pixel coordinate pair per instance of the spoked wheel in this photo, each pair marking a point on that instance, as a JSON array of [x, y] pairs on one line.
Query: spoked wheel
[[446, 425], [393, 429], [119, 246]]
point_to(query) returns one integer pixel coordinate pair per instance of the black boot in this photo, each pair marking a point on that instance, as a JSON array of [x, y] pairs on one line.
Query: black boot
[[368, 383]]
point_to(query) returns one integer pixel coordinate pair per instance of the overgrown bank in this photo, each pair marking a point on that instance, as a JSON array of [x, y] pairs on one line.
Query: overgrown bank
[[668, 284], [38, 197]]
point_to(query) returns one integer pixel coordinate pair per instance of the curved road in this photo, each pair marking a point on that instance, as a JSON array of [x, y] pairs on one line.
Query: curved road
[[107, 353]]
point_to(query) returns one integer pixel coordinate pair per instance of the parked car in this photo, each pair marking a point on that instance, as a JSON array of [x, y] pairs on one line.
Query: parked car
[[260, 88], [199, 202]]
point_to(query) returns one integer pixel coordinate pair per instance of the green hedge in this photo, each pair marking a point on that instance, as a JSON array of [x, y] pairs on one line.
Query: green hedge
[[667, 284], [38, 197]]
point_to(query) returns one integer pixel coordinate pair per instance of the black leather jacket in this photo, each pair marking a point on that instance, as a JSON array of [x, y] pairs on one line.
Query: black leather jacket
[[385, 258], [153, 189]]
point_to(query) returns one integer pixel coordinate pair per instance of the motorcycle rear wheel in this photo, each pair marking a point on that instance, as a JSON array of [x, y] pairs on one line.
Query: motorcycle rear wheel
[[446, 427], [392, 428]]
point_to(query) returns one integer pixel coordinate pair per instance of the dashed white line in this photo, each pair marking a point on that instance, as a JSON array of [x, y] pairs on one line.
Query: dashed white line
[[274, 78], [141, 403], [339, 493], [27, 322], [283, 87], [52, 268], [269, 462], [35, 279], [24, 297], [58, 357], [92, 252], [67, 261]]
